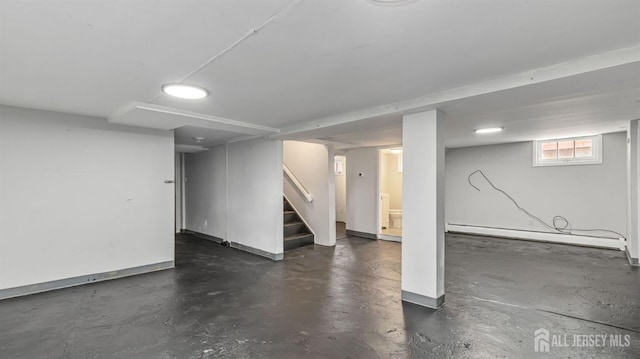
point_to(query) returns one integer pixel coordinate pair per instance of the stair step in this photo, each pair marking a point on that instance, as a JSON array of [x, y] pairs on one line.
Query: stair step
[[297, 223], [290, 216], [297, 236], [296, 233], [293, 228], [297, 240]]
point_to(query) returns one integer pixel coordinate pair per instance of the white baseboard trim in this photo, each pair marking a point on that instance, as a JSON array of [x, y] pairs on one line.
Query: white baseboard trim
[[85, 279], [587, 241]]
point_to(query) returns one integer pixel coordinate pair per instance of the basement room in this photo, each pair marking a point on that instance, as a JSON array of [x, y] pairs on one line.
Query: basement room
[[319, 179]]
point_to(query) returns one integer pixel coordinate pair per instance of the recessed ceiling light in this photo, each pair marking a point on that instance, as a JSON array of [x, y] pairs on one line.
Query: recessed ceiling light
[[396, 151], [185, 91], [489, 130]]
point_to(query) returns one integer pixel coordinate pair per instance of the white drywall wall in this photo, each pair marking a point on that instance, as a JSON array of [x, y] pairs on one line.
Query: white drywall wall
[[589, 196], [633, 188], [310, 164], [79, 196], [341, 192], [362, 190], [254, 185], [206, 191]]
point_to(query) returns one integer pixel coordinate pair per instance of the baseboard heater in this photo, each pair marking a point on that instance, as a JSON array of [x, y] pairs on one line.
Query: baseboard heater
[[588, 241]]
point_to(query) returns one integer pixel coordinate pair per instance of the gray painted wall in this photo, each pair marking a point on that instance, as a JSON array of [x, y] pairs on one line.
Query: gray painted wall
[[589, 196]]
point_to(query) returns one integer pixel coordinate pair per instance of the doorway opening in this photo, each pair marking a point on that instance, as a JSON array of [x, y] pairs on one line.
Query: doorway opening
[[390, 194], [340, 167], [179, 192]]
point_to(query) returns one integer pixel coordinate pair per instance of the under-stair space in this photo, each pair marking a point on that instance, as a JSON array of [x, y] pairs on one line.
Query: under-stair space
[[296, 233]]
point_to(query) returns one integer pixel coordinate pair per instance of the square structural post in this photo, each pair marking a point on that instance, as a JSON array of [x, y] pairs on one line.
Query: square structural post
[[633, 182], [423, 208]]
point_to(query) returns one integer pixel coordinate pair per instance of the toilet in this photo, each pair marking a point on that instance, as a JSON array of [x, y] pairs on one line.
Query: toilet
[[395, 215]]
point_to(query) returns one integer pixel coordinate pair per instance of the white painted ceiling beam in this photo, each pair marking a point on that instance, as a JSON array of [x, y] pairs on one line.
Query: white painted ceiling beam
[[602, 61], [167, 118], [189, 148]]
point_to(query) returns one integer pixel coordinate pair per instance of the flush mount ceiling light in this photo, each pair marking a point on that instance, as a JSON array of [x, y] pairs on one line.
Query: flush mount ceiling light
[[185, 91], [396, 151], [488, 130], [199, 139]]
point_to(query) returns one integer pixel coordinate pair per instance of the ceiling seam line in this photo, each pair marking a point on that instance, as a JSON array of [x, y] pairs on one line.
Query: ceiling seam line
[[280, 14]]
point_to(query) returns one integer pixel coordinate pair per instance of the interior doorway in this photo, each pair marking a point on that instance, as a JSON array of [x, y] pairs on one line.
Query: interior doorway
[[390, 194], [179, 192], [340, 167]]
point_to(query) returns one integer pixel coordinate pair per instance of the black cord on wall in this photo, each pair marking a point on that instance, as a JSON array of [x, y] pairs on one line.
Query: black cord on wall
[[559, 223]]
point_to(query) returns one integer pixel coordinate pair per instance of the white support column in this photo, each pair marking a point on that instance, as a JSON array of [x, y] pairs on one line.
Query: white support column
[[423, 209], [633, 182], [332, 194]]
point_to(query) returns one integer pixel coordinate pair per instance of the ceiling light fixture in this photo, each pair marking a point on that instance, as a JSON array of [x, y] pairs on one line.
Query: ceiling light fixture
[[396, 151], [185, 91], [488, 130], [199, 139]]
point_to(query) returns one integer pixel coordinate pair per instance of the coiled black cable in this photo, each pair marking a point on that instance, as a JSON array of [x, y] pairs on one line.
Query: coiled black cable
[[559, 223]]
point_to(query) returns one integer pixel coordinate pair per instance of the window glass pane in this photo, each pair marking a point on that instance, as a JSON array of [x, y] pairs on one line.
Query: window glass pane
[[549, 150], [584, 148], [565, 149], [568, 151]]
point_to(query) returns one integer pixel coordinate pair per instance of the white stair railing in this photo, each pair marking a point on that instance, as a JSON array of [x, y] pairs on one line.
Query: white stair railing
[[297, 184]]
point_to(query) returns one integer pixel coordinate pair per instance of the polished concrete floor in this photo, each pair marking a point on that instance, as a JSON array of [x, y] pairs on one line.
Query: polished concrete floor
[[340, 302]]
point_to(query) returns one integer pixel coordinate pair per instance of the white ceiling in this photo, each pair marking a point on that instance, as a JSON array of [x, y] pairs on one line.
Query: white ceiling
[[586, 104], [312, 60]]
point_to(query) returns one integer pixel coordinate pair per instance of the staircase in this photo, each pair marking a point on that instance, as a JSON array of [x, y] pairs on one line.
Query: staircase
[[296, 233]]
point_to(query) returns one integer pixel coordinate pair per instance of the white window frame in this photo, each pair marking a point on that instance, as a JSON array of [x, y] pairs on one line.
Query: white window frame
[[595, 159]]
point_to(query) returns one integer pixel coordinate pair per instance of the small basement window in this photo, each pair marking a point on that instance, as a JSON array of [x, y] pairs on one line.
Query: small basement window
[[568, 151]]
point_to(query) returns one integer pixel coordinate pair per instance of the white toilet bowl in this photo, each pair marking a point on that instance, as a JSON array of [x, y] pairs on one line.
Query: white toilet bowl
[[395, 216]]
